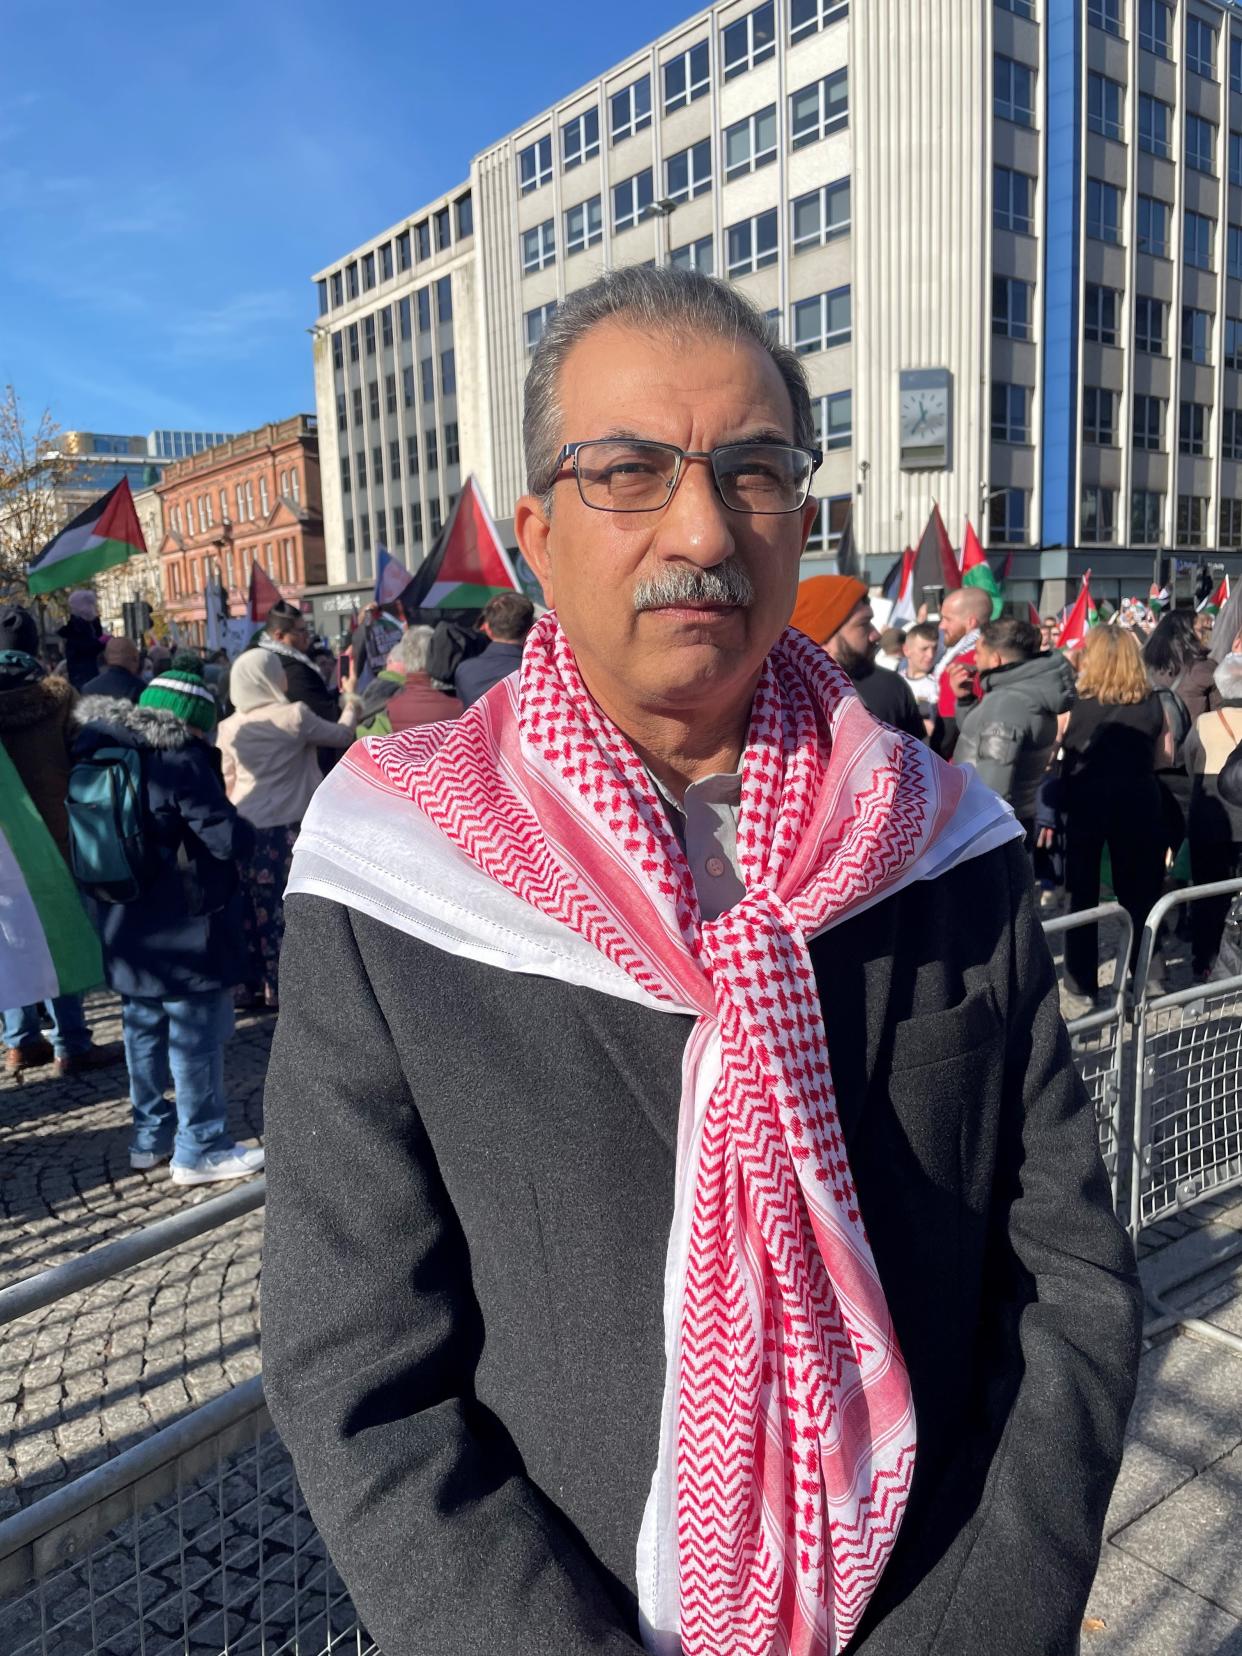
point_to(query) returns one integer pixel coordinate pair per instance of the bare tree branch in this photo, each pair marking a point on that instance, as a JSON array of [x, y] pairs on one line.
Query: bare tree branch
[[31, 467]]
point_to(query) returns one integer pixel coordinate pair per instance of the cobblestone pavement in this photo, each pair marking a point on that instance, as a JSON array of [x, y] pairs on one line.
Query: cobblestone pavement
[[91, 1375]]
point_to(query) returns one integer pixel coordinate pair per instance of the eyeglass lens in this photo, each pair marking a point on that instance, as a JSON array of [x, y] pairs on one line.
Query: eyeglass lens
[[617, 476]]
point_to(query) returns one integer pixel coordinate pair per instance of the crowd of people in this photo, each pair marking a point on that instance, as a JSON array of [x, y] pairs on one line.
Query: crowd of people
[[1109, 757], [223, 759]]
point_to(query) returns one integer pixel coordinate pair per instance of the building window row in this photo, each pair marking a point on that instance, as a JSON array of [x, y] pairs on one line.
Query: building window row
[[397, 255]]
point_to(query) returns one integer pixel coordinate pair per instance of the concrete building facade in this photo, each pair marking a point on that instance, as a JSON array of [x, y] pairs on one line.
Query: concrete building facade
[[1006, 237], [253, 499]]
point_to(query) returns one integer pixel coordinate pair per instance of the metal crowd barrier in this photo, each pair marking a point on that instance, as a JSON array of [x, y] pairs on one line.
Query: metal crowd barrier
[[1188, 1065]]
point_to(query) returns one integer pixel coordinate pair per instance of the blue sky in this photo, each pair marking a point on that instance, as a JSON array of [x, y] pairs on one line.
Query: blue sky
[[171, 176]]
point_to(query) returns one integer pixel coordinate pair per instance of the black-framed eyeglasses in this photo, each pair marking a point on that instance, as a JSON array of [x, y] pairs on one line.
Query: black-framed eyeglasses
[[616, 474]]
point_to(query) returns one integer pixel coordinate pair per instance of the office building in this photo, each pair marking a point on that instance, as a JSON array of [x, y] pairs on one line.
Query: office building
[[1005, 237]]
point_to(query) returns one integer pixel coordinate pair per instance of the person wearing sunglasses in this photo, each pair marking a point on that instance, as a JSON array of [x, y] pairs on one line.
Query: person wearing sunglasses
[[685, 1226]]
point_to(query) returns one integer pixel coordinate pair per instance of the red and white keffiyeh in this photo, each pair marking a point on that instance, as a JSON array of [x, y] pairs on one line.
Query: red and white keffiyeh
[[788, 1433]]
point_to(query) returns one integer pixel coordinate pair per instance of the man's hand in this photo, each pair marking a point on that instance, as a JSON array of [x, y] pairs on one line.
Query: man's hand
[[961, 674], [1044, 838]]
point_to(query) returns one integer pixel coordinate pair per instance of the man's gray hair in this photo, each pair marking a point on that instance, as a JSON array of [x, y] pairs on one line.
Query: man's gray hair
[[655, 300], [410, 650]]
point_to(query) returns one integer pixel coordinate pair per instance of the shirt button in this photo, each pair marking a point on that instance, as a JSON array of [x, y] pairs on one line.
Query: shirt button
[[715, 866]]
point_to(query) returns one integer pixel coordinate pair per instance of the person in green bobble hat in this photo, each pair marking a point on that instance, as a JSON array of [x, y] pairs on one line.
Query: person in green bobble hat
[[175, 950]]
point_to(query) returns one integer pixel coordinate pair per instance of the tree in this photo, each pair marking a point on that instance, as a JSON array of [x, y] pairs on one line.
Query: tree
[[31, 468]]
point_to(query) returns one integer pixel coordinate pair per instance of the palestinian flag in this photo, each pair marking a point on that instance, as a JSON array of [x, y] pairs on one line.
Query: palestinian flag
[[977, 571], [104, 535], [848, 560], [1157, 599], [50, 947], [934, 563], [899, 590], [1216, 603], [1081, 618], [468, 563], [263, 594]]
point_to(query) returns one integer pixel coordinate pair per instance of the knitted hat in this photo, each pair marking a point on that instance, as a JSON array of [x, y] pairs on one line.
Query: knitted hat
[[184, 693], [824, 604], [18, 630]]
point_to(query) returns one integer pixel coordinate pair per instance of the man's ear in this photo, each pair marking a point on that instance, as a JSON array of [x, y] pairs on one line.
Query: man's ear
[[809, 513], [532, 526]]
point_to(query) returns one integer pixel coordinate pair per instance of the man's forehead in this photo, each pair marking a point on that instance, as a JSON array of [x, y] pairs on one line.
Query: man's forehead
[[620, 377]]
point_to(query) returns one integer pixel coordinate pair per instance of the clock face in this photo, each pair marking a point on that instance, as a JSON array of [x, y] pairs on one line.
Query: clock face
[[924, 417]]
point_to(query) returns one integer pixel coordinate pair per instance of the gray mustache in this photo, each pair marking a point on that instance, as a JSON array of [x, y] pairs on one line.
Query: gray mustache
[[726, 583]]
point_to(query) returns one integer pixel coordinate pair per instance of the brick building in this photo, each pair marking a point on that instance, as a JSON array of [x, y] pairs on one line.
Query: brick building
[[253, 499]]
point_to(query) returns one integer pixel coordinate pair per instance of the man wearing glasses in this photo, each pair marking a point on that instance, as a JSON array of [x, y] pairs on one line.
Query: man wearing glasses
[[685, 1226]]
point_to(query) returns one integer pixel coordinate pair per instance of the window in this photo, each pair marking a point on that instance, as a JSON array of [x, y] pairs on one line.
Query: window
[[821, 215], [1103, 211], [422, 240], [696, 255], [411, 457], [1007, 518], [1105, 14], [1235, 157], [1231, 434], [750, 144], [1149, 325], [351, 279], [1197, 231], [539, 246], [338, 295], [1191, 520], [434, 517], [1011, 307], [1104, 105], [535, 165], [685, 77], [818, 109], [249, 501], [338, 351], [689, 172], [452, 446], [1201, 48], [1099, 314], [423, 297], [1011, 413], [394, 457], [407, 387], [444, 299], [357, 405], [1148, 422], [1200, 145], [750, 244], [751, 40], [1155, 27], [1233, 343], [1235, 63], [631, 199], [580, 139], [829, 524], [403, 316], [386, 326], [1097, 513], [464, 206], [433, 457], [1013, 91], [321, 289], [448, 373], [351, 333], [377, 463], [368, 335], [444, 230], [822, 322], [1233, 252], [366, 536], [1013, 200], [373, 398], [1099, 415], [1153, 226], [404, 261], [584, 226], [385, 262], [416, 522], [1192, 428], [1196, 335], [398, 527], [1146, 513], [1230, 524], [368, 272], [427, 377], [360, 468], [834, 420], [807, 17], [295, 486], [390, 393], [630, 109], [1019, 8], [537, 321]]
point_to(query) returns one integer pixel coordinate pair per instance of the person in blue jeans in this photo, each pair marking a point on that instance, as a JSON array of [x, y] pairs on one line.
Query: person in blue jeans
[[70, 1038], [175, 952]]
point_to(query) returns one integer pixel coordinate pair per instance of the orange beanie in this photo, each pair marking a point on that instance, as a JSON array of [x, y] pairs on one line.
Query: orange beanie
[[824, 604]]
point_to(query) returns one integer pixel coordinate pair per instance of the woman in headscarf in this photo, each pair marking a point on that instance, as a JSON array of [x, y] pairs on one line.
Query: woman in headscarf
[[269, 750]]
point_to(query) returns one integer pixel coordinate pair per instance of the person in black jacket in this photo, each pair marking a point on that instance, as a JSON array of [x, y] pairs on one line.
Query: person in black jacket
[[175, 952], [506, 620], [288, 634], [488, 1103], [83, 636], [120, 677], [835, 611]]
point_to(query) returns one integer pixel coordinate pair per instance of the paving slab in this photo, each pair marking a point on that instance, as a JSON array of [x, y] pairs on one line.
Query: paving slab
[[1142, 1612], [1189, 1402], [1146, 1478], [1193, 1535]]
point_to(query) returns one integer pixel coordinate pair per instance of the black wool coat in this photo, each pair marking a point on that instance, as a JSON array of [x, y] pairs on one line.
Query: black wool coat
[[470, 1186]]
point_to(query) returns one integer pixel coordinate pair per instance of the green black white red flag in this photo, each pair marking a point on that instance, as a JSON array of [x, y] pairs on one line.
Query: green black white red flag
[[468, 563], [977, 571], [1081, 618], [107, 533]]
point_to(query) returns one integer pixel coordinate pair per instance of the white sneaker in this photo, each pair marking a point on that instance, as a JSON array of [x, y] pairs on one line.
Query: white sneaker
[[142, 1161], [234, 1161]]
